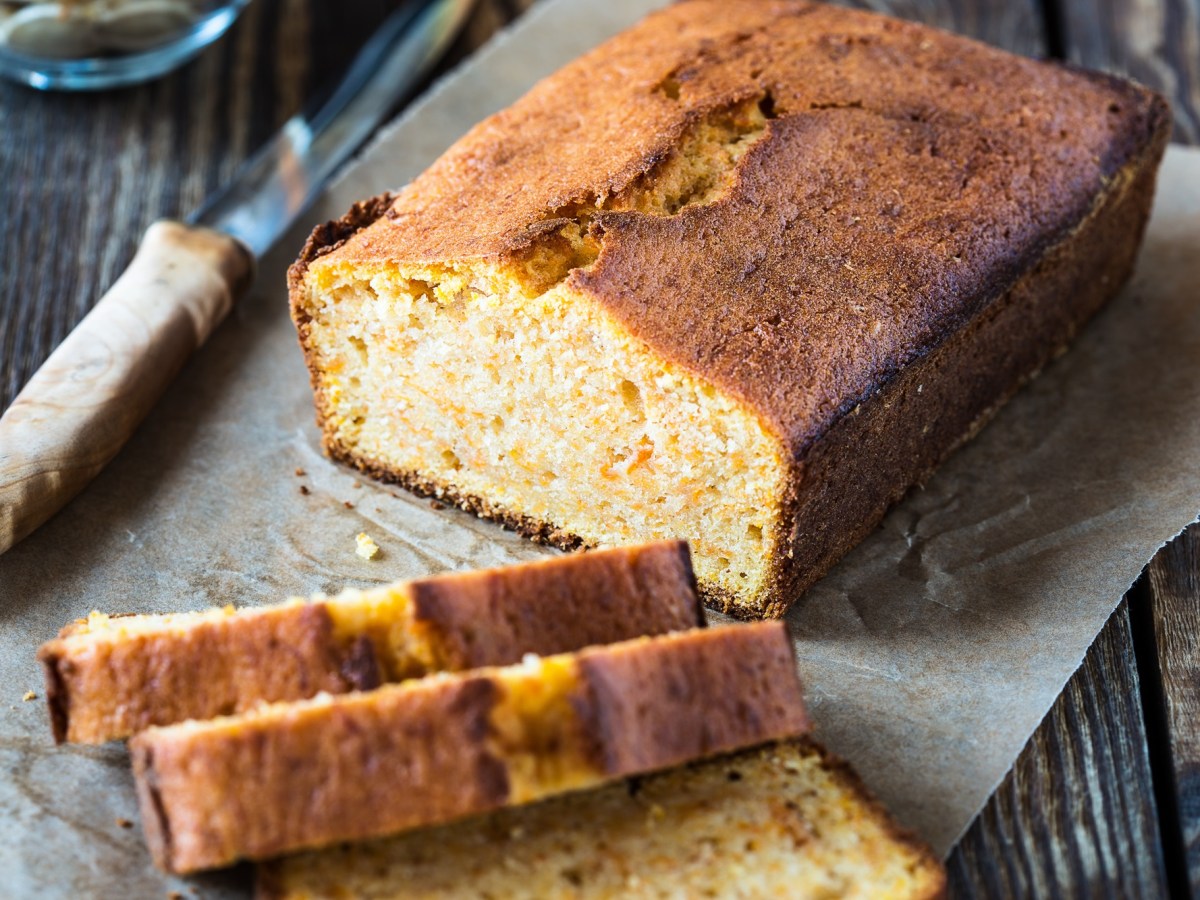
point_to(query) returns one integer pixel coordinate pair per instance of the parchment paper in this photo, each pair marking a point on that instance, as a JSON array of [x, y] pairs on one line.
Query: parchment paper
[[931, 653]]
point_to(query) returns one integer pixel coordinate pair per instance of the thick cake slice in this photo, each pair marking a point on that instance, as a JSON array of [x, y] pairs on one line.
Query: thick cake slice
[[784, 820], [315, 772], [110, 677], [742, 275]]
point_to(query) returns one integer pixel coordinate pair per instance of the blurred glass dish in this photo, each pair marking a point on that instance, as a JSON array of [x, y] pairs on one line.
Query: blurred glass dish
[[96, 44]]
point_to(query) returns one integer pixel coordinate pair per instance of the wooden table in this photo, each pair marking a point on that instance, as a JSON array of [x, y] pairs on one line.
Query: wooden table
[[1105, 799]]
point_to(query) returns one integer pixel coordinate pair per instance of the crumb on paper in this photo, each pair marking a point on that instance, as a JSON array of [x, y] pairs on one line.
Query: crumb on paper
[[300, 473], [29, 695], [365, 547], [175, 895], [356, 484], [347, 504], [124, 823], [433, 504], [304, 489]]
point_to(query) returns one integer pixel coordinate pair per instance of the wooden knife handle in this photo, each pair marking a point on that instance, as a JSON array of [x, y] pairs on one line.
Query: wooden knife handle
[[85, 401]]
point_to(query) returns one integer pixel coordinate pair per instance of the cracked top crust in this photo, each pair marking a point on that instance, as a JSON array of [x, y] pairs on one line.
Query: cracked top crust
[[906, 177]]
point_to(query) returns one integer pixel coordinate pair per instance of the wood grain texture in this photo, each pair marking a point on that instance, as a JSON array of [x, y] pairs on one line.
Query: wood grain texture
[[1075, 817], [1170, 658], [1155, 41]]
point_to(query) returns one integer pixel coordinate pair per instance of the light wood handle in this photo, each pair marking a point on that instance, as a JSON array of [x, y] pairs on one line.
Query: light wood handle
[[85, 401]]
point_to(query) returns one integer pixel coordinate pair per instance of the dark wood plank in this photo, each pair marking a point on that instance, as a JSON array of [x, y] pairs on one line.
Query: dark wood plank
[[1171, 669], [1155, 41], [1076, 815]]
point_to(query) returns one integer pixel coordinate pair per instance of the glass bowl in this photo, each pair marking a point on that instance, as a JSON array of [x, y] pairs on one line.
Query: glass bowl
[[88, 45]]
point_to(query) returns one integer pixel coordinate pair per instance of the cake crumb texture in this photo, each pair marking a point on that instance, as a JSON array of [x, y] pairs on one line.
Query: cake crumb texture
[[783, 820], [364, 545]]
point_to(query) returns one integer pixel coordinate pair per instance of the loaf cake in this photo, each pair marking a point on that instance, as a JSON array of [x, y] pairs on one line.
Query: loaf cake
[[314, 772], [741, 275], [110, 677], [783, 820]]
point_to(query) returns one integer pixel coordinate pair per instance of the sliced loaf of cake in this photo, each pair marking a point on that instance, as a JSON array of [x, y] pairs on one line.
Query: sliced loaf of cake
[[314, 772], [782, 820], [108, 677], [743, 275]]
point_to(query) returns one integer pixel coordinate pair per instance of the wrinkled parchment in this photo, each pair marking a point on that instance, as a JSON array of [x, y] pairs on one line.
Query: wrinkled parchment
[[931, 653]]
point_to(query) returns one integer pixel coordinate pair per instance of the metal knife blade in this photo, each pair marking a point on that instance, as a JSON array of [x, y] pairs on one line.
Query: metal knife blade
[[275, 186], [87, 399]]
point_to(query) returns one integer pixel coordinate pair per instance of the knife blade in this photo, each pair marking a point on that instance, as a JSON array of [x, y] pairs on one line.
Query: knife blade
[[89, 396]]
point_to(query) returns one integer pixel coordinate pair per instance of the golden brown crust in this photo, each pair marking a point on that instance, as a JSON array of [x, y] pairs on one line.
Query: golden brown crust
[[437, 749], [99, 690], [330, 236], [676, 714], [858, 278], [492, 617], [899, 435], [58, 701], [967, 189], [905, 199], [325, 774]]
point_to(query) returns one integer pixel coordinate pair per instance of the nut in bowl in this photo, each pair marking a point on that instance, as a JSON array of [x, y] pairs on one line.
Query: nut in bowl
[[99, 44]]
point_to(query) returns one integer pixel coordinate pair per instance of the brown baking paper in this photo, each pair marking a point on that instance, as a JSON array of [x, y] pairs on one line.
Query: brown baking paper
[[931, 653]]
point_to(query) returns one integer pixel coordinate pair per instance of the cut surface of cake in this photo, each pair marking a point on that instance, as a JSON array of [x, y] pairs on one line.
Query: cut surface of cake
[[742, 275], [314, 772], [784, 820], [109, 677]]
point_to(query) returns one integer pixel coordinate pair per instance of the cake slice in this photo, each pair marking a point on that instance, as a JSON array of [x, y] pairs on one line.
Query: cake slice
[[742, 275], [314, 772], [783, 820], [108, 677]]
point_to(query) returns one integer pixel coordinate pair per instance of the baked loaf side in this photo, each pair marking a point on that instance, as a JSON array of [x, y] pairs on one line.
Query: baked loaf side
[[110, 677], [783, 820], [493, 617], [780, 228], [314, 772]]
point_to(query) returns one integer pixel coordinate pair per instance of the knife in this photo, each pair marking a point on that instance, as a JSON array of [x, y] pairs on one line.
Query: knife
[[89, 396]]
